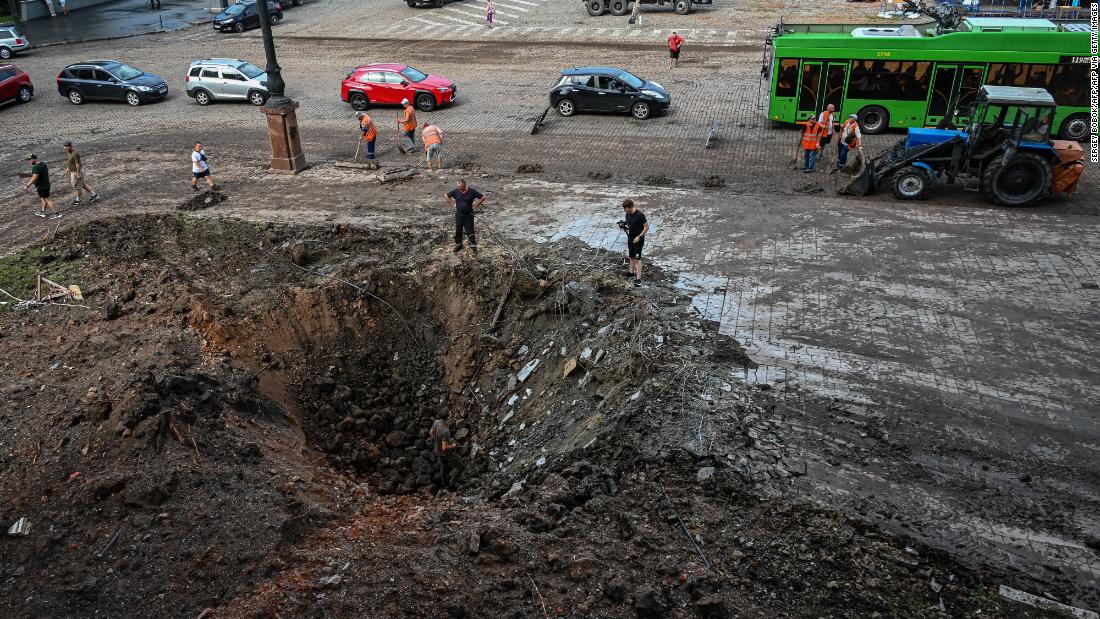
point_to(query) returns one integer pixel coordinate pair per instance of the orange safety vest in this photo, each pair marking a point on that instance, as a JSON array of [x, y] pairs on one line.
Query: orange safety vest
[[431, 135], [851, 127], [811, 135], [408, 121], [366, 125], [827, 121]]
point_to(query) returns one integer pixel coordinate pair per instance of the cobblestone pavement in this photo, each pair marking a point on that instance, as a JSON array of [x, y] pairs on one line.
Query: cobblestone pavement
[[933, 360]]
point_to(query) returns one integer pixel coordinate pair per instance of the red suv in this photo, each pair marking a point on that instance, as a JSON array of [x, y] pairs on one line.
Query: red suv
[[14, 84], [388, 84]]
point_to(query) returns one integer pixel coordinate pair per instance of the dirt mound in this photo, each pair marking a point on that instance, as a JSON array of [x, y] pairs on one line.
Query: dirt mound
[[203, 200]]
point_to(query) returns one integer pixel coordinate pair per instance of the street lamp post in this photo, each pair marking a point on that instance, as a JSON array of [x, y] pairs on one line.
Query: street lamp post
[[282, 120]]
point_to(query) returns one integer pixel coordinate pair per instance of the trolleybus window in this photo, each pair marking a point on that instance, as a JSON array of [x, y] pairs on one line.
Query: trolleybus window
[[787, 80]]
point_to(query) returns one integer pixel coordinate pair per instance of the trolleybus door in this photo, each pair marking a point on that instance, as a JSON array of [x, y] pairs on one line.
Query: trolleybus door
[[970, 80], [809, 90], [836, 76], [941, 94]]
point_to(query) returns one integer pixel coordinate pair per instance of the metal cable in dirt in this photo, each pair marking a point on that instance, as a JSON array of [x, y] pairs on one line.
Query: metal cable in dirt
[[373, 296]]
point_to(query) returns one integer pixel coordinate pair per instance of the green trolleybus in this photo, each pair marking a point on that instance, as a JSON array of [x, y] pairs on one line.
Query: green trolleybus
[[920, 76]]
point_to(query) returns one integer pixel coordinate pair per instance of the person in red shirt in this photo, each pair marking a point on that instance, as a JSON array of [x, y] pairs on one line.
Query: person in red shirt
[[675, 42]]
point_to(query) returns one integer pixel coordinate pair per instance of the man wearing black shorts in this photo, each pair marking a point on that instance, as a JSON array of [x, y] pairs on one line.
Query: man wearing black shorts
[[465, 199], [40, 180], [636, 229]]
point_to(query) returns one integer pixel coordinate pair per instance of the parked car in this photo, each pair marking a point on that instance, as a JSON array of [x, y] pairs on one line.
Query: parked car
[[244, 15], [226, 79], [109, 80], [607, 89], [11, 41], [15, 85], [388, 84]]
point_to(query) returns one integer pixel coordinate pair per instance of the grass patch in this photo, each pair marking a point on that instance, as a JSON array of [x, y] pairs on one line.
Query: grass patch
[[19, 272]]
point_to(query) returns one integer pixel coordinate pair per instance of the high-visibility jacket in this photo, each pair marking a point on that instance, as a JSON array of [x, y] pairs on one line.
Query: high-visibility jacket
[[431, 135], [675, 42], [366, 125], [851, 128], [408, 120], [812, 134], [826, 119]]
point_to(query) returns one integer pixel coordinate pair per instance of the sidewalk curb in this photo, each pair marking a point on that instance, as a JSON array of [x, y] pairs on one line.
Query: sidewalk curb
[[116, 37], [740, 46]]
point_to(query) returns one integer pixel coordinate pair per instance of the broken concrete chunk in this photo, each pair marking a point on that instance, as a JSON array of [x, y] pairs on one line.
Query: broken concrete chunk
[[599, 355], [21, 527], [586, 354], [512, 400], [527, 369], [507, 417], [570, 366], [474, 544], [705, 473]]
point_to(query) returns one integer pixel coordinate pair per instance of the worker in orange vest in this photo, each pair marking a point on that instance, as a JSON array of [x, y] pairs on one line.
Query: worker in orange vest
[[827, 118], [368, 133], [811, 140], [433, 145], [407, 121], [850, 139]]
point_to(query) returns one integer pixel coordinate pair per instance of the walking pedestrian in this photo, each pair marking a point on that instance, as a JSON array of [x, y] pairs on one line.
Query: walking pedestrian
[[64, 9], [850, 138], [489, 10], [77, 179], [367, 133], [40, 180], [200, 168], [811, 140], [636, 229], [636, 14], [465, 199], [49, 5], [407, 124], [440, 436], [433, 145], [675, 43]]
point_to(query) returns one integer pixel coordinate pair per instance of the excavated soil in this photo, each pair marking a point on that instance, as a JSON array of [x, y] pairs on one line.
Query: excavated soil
[[237, 419]]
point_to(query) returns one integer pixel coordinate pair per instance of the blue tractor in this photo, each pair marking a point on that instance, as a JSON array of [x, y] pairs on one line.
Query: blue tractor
[[1005, 152]]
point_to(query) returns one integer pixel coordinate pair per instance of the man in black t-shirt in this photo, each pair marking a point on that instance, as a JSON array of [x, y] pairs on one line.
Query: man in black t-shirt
[[636, 229], [465, 199], [40, 179]]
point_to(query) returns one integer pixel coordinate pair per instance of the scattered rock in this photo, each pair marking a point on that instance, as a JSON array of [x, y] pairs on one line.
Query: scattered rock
[[646, 603], [705, 473], [529, 168], [299, 254], [111, 310]]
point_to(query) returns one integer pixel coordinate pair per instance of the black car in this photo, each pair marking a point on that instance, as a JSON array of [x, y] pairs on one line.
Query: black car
[[607, 89], [109, 80], [245, 15]]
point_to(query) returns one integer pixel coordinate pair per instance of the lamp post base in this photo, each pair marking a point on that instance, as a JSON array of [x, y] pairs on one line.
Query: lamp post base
[[286, 145]]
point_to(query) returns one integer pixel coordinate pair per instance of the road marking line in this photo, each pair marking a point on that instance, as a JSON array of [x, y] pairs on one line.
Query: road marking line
[[524, 2], [475, 15], [424, 21], [513, 8], [461, 21]]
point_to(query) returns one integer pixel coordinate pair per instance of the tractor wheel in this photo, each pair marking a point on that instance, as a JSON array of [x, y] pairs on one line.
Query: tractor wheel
[[874, 119], [1076, 127], [911, 183], [1024, 179], [595, 7], [619, 7]]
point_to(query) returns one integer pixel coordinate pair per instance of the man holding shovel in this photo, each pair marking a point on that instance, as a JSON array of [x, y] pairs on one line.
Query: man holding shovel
[[406, 123], [367, 133]]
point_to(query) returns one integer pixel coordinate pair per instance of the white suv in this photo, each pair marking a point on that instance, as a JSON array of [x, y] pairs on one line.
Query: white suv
[[11, 41], [226, 79]]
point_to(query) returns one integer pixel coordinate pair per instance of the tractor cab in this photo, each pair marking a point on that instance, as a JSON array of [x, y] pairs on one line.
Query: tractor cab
[[1013, 118]]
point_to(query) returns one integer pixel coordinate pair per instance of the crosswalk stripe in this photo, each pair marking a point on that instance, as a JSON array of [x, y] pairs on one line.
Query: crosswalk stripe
[[454, 9], [525, 2], [512, 8], [455, 19]]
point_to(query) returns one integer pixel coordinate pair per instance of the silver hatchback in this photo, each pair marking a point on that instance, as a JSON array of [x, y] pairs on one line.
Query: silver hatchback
[[226, 79]]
